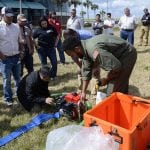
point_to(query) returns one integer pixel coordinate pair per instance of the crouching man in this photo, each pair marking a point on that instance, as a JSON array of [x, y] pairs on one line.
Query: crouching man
[[33, 89], [110, 53]]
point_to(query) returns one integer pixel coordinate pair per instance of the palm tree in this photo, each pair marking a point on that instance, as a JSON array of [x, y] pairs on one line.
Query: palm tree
[[74, 3], [94, 7], [102, 13], [60, 4], [87, 4], [82, 13]]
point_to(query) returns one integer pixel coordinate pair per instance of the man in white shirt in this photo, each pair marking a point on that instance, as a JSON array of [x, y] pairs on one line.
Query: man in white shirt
[[9, 53], [109, 24], [127, 25], [74, 22]]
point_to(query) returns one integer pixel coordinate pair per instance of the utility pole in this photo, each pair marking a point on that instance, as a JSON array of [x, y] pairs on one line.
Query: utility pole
[[20, 6]]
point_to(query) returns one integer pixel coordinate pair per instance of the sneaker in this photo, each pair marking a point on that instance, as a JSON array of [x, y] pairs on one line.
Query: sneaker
[[9, 103], [54, 79]]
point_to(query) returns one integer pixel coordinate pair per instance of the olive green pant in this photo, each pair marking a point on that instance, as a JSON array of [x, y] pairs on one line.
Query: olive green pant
[[144, 33], [121, 83]]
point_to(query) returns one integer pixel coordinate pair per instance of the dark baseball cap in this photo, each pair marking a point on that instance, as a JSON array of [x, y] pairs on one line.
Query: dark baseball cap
[[145, 9], [7, 11]]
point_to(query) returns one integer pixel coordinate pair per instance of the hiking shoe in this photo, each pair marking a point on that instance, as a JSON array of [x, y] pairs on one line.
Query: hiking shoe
[[9, 103], [54, 79]]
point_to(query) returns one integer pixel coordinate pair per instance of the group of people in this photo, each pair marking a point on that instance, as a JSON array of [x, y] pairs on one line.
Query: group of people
[[17, 44], [127, 24], [90, 52]]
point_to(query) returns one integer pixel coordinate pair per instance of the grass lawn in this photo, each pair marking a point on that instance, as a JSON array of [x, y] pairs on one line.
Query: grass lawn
[[13, 118]]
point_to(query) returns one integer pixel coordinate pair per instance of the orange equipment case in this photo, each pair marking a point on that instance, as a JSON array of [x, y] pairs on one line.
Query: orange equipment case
[[125, 117]]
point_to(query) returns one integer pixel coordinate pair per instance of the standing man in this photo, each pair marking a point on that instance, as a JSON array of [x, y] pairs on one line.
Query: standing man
[[27, 48], [109, 24], [98, 25], [74, 22], [9, 53], [127, 25], [145, 28], [110, 53], [57, 24]]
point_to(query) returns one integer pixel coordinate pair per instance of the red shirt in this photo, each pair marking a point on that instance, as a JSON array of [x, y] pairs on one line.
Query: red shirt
[[56, 24]]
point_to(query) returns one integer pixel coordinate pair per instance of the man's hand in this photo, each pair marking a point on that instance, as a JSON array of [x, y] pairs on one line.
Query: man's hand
[[2, 56], [104, 81], [83, 97], [49, 100]]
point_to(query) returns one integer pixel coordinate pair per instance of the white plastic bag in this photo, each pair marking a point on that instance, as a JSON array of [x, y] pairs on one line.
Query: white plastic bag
[[57, 138], [76, 137], [100, 96]]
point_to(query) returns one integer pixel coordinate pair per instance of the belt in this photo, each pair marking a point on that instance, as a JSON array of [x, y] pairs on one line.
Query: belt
[[12, 56], [129, 30]]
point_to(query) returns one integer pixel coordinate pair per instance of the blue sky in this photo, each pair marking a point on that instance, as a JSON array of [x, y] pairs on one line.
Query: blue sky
[[116, 7]]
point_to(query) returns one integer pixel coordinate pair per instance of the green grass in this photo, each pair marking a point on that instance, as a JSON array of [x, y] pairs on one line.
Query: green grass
[[13, 118]]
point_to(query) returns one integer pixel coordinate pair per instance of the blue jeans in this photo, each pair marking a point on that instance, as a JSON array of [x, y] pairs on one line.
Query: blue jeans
[[60, 51], [10, 66], [127, 35], [51, 54]]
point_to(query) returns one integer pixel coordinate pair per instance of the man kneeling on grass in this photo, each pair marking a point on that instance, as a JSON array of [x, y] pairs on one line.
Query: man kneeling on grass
[[33, 89], [110, 53]]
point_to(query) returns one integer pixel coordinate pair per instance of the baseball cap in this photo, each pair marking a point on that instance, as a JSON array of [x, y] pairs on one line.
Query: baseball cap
[[145, 9], [7, 11], [21, 17]]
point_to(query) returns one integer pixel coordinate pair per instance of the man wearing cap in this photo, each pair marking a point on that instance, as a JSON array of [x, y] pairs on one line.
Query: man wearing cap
[[9, 53], [74, 22], [33, 89], [145, 28], [27, 48]]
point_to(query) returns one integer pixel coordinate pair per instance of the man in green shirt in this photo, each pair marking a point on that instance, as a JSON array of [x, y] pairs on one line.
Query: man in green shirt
[[110, 53]]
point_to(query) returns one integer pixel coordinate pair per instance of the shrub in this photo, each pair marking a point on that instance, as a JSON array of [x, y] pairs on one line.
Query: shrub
[[87, 24]]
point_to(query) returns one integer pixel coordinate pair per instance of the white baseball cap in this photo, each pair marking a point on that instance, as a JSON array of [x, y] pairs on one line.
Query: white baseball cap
[[7, 11]]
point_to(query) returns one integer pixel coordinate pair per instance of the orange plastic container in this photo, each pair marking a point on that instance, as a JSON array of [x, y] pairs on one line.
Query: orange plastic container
[[125, 117]]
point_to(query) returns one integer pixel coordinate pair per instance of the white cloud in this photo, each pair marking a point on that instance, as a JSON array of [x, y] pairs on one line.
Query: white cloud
[[122, 3], [116, 7]]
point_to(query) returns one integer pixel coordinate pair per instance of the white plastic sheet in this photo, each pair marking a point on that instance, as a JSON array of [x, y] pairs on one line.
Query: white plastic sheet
[[100, 96], [75, 137]]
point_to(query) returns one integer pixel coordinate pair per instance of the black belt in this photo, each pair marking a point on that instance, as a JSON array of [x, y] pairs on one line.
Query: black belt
[[12, 56], [129, 30]]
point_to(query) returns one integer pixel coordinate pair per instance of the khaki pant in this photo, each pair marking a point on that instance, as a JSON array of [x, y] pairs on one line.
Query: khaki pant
[[94, 80], [144, 32]]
